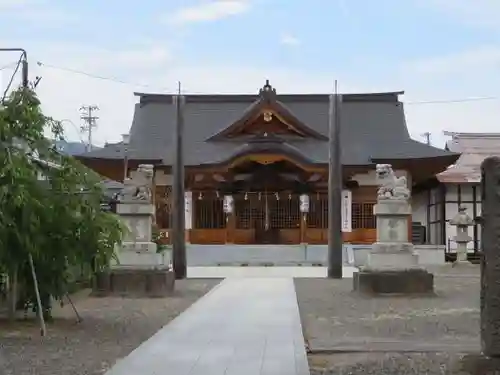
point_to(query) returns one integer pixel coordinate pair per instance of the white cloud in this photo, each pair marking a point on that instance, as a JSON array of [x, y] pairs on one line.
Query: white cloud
[[344, 9], [95, 59], [63, 92], [11, 4], [481, 58], [40, 11], [153, 67], [207, 11], [289, 40], [472, 74], [482, 13]]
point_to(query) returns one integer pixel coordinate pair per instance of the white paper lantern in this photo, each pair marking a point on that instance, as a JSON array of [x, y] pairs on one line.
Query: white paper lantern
[[304, 203], [228, 204]]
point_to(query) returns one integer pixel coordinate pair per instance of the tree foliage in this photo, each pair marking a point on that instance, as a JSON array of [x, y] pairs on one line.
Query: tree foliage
[[56, 220]]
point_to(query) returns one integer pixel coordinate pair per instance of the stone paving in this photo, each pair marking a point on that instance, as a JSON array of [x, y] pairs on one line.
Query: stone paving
[[244, 326]]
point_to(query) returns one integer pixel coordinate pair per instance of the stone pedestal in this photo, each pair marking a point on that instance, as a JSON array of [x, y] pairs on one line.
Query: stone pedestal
[[137, 248], [410, 281], [392, 266], [462, 239], [134, 282], [138, 271]]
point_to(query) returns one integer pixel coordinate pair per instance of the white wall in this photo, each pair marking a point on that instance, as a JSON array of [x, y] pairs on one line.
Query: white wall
[[419, 207]]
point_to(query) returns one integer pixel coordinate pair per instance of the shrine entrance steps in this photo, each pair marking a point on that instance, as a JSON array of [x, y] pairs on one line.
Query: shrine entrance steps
[[244, 326]]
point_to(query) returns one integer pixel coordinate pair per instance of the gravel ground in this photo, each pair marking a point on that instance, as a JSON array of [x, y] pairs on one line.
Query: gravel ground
[[428, 334], [111, 329], [401, 364]]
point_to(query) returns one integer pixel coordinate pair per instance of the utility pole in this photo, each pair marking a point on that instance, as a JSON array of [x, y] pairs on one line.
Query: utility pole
[[24, 69], [427, 136], [335, 184], [89, 122], [178, 202], [24, 62]]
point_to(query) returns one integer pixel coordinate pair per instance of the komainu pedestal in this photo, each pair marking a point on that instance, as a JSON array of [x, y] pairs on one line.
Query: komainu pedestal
[[139, 271], [134, 282], [392, 266]]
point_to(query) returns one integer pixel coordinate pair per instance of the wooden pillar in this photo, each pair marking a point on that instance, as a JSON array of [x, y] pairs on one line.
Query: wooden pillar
[[442, 197], [303, 227], [230, 226], [474, 216], [153, 197], [428, 217]]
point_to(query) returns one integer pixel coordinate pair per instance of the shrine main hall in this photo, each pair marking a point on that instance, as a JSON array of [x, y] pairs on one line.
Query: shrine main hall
[[266, 152]]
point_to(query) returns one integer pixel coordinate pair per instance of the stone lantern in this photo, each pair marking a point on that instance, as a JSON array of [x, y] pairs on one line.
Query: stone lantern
[[462, 221]]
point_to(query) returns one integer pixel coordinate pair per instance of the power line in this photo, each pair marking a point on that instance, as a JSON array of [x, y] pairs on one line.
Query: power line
[[95, 76], [78, 130], [10, 65], [123, 82], [451, 101]]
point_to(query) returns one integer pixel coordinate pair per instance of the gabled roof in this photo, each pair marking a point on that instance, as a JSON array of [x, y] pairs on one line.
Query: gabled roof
[[474, 148], [267, 101], [268, 144], [373, 127]]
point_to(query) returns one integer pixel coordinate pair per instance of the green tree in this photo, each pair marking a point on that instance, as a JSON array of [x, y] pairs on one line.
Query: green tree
[[57, 221]]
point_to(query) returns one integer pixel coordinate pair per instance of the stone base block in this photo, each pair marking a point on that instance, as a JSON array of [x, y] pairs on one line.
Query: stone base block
[[466, 265], [131, 259], [392, 247], [411, 281], [139, 247], [478, 364], [392, 261], [134, 282]]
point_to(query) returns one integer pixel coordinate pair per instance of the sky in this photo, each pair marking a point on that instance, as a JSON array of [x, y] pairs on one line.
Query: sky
[[444, 54]]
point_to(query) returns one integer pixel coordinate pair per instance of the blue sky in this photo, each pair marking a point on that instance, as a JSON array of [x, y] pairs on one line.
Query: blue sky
[[431, 49]]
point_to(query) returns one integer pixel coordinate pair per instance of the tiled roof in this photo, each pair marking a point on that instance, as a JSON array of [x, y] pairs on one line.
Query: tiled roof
[[474, 148], [373, 126]]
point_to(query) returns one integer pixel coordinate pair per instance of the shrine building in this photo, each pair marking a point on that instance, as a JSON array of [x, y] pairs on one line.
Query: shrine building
[[265, 151]]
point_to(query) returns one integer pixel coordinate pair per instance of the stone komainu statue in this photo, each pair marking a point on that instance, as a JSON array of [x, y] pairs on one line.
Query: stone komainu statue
[[139, 187], [391, 186]]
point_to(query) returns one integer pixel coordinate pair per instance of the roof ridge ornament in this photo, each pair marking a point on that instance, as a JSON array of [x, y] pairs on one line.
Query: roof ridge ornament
[[268, 92]]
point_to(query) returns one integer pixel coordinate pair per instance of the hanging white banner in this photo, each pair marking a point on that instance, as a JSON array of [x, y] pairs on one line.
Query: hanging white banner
[[346, 211], [188, 212]]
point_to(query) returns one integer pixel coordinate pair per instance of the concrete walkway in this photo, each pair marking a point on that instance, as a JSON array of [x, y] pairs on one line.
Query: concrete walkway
[[244, 326]]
